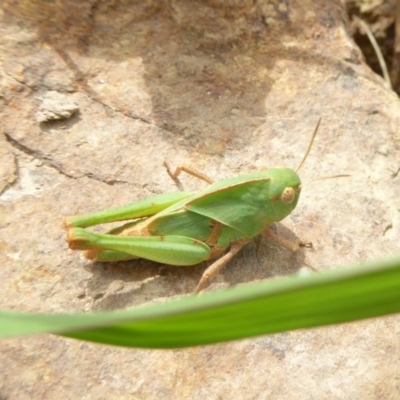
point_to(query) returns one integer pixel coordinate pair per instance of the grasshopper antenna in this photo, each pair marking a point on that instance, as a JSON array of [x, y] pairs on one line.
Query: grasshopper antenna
[[309, 146], [323, 178]]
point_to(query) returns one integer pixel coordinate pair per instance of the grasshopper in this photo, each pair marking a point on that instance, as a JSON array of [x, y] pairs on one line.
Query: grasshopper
[[186, 228]]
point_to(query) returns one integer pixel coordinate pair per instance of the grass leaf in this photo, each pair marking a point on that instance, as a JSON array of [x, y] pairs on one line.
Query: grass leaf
[[348, 294]]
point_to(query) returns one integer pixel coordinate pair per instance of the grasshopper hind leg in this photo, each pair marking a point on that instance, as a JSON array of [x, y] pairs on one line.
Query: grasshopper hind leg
[[97, 255]]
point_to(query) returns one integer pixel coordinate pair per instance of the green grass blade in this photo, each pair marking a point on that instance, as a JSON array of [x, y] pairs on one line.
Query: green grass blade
[[369, 290]]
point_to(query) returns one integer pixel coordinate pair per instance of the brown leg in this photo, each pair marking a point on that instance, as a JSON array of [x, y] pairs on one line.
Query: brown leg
[[214, 268], [188, 170], [213, 238], [287, 244]]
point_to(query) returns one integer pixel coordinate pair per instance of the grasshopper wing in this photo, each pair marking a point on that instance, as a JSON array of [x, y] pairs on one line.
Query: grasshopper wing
[[244, 206]]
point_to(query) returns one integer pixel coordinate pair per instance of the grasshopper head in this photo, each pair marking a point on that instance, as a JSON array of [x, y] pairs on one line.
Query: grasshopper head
[[286, 185], [284, 191]]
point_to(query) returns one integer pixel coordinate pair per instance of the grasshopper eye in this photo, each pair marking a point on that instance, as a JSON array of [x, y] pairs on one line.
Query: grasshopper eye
[[287, 195]]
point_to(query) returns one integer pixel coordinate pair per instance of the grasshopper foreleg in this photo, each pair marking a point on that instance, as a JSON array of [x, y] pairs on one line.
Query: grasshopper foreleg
[[188, 170], [293, 246]]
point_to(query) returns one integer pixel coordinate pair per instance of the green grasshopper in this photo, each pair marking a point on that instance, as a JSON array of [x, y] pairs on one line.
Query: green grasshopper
[[186, 228]]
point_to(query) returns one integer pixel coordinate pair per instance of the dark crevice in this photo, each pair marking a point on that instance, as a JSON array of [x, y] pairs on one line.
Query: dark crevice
[[395, 173], [37, 154], [387, 229], [49, 162], [116, 110], [131, 115]]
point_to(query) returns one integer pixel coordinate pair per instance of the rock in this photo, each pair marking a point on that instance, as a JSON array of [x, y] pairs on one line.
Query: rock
[[56, 106]]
